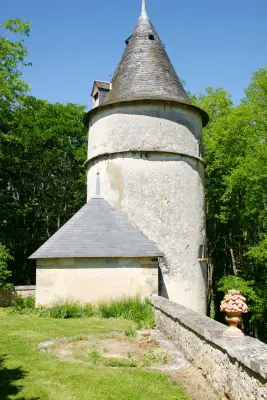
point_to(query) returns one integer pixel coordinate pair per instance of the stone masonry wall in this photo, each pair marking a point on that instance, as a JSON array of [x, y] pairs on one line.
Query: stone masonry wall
[[235, 367], [6, 296]]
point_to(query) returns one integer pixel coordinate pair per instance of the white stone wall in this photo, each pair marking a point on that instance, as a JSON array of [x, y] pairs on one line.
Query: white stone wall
[[91, 280], [150, 171], [235, 367], [145, 128]]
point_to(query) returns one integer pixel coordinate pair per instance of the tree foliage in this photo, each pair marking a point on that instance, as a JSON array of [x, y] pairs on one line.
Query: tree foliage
[[42, 177], [42, 150], [236, 192], [12, 57]]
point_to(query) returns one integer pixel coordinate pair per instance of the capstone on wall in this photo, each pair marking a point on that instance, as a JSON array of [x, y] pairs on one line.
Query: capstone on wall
[[235, 367], [150, 171], [92, 280]]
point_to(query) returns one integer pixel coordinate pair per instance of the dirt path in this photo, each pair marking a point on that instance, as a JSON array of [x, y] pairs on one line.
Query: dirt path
[[194, 383], [184, 372]]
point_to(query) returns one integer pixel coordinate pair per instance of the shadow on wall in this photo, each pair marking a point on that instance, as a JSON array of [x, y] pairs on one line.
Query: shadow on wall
[[162, 286], [8, 378]]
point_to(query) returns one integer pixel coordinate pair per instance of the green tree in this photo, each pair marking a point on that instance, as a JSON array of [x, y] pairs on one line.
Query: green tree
[[12, 57], [42, 177], [236, 190]]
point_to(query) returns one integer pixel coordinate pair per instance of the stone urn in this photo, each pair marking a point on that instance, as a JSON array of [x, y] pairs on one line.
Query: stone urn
[[233, 305]]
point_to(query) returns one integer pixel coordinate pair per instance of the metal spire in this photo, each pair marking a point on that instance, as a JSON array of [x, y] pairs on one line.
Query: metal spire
[[143, 13]]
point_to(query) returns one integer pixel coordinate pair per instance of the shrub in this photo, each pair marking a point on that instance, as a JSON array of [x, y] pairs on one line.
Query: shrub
[[132, 308], [247, 288], [23, 305], [65, 309], [255, 321], [5, 274]]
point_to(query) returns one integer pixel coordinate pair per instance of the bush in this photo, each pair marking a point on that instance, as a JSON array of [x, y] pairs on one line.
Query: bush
[[5, 274], [23, 305], [256, 300], [132, 308], [65, 309]]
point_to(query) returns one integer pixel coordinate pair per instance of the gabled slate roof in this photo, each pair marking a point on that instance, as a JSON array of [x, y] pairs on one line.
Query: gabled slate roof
[[101, 85], [97, 230], [145, 71]]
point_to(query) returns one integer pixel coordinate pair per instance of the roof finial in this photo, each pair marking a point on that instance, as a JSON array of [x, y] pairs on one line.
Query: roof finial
[[97, 185], [144, 13]]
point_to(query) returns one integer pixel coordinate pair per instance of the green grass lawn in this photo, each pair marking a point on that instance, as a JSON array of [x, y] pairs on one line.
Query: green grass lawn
[[28, 374]]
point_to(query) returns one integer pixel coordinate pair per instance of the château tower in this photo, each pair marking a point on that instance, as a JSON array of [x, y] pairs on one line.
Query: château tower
[[145, 140]]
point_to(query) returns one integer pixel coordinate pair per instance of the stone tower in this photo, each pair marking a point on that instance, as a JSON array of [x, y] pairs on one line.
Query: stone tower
[[145, 139]]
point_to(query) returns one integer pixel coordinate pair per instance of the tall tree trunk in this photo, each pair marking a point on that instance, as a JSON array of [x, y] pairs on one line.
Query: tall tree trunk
[[233, 261], [210, 312]]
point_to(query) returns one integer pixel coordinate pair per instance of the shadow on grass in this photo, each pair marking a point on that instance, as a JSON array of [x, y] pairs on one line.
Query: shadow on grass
[[8, 378]]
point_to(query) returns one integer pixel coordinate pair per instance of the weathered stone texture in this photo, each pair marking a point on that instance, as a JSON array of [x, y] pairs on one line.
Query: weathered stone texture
[[145, 127], [150, 170], [236, 367], [163, 195]]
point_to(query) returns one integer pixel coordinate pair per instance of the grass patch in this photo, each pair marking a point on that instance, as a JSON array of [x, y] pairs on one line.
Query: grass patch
[[26, 373], [66, 309], [94, 355], [131, 332], [118, 362], [130, 308]]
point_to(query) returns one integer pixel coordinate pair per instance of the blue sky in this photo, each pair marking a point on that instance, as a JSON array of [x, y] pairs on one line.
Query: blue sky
[[210, 43]]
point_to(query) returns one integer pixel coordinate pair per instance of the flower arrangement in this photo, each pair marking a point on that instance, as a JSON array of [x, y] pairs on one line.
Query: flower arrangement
[[234, 305], [234, 302]]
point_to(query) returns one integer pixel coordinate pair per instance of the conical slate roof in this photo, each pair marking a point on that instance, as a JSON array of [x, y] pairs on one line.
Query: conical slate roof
[[97, 230], [145, 71]]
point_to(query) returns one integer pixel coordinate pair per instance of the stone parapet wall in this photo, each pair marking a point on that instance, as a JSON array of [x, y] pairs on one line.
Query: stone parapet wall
[[235, 367], [6, 296]]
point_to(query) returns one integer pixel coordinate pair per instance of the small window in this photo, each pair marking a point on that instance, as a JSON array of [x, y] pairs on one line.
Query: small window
[[96, 100], [151, 37], [127, 41]]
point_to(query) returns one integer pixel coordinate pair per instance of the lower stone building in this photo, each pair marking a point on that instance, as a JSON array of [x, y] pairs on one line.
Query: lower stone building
[[97, 254]]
